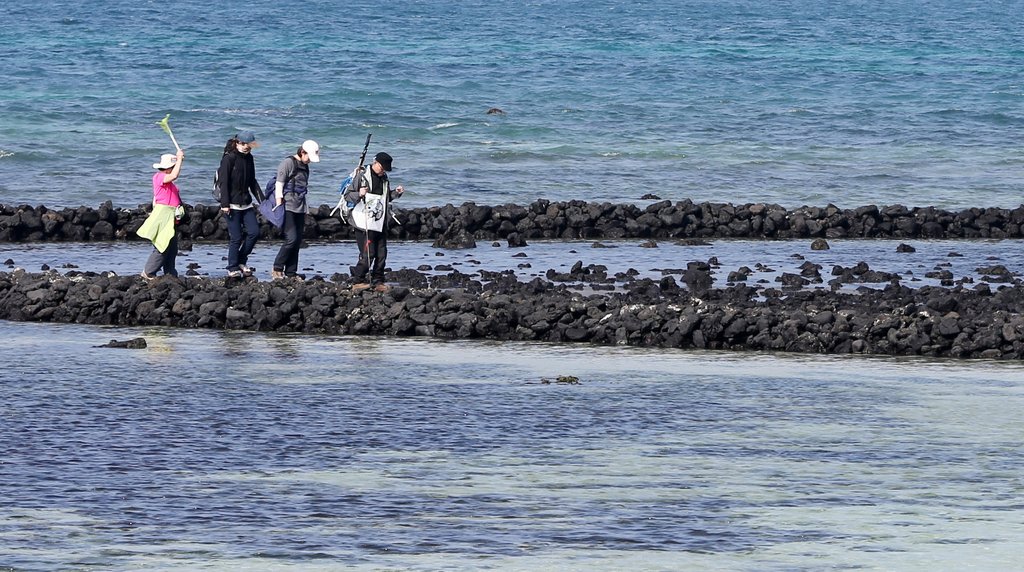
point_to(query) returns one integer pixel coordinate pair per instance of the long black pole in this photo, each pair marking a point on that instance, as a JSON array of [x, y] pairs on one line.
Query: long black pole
[[357, 180], [362, 157]]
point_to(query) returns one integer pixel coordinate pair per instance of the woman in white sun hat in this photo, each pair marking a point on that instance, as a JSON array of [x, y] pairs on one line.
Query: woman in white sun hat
[[167, 210]]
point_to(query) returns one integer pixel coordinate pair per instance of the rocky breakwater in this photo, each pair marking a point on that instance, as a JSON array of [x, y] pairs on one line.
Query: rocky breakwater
[[896, 320], [551, 220]]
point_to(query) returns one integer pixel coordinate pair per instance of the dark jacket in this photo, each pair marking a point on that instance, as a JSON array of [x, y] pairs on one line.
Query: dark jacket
[[237, 179], [378, 185]]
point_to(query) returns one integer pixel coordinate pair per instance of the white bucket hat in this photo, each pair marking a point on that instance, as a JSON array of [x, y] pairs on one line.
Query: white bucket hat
[[167, 161], [312, 149]]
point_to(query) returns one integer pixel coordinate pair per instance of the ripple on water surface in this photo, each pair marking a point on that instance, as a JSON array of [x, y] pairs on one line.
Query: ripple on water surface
[[241, 449], [766, 261]]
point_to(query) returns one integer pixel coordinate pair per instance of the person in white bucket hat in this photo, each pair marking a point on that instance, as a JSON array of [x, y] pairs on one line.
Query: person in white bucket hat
[[159, 227], [290, 191]]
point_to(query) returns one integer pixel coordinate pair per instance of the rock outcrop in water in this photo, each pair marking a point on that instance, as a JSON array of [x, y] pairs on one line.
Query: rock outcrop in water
[[132, 344], [930, 321], [551, 220]]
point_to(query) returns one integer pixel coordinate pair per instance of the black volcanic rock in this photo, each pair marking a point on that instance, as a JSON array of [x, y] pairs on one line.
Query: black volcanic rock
[[931, 321], [459, 227]]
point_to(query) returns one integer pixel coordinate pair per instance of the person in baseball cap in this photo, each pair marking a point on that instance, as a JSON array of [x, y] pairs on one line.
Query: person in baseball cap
[[290, 194], [372, 196], [236, 190]]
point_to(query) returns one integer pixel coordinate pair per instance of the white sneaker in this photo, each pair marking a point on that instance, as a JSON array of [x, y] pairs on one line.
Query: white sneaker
[[235, 274], [247, 270]]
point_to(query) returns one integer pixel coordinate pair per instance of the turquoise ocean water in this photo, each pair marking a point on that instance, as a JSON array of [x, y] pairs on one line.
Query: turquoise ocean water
[[794, 102], [237, 450]]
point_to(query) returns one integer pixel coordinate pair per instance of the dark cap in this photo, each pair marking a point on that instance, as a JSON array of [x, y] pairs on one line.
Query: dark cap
[[384, 159], [245, 137]]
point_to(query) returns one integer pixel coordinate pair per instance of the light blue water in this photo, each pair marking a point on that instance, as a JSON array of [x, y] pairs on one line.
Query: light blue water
[[232, 450], [794, 102]]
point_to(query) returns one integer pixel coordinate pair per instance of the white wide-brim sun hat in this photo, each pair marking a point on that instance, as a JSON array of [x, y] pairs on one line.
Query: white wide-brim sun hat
[[166, 162]]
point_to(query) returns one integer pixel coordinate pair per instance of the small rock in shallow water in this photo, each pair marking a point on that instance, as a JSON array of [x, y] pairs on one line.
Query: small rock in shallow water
[[562, 379], [133, 344], [515, 240]]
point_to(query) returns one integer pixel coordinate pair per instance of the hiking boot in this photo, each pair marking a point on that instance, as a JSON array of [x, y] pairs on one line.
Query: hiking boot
[[277, 275], [360, 287], [382, 287], [234, 274]]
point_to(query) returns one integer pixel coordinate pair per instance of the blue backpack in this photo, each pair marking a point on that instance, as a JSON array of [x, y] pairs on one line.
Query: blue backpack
[[344, 188]]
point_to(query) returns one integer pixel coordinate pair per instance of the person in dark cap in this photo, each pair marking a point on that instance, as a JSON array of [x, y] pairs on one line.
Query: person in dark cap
[[236, 180], [371, 193]]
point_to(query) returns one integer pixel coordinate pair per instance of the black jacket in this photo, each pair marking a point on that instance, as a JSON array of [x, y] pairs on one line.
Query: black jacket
[[237, 179]]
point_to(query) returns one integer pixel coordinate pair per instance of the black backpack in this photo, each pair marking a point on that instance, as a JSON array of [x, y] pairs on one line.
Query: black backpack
[[268, 191]]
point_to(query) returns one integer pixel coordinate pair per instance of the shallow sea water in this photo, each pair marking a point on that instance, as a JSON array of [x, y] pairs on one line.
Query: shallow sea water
[[237, 450], [962, 258], [791, 102]]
